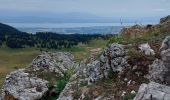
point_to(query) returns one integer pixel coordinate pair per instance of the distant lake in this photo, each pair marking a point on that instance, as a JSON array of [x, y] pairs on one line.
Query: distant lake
[[63, 25], [69, 28]]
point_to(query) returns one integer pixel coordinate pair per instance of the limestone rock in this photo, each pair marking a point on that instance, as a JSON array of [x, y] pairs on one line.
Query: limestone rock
[[147, 49], [70, 90], [165, 19], [153, 91], [20, 85], [166, 60], [165, 44], [157, 71], [64, 60], [53, 62], [112, 60]]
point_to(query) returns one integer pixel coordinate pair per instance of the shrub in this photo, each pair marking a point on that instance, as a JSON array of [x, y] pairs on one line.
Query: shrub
[[134, 53], [117, 39], [129, 96], [61, 83]]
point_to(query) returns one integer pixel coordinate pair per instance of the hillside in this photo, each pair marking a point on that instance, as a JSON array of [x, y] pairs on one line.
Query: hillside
[[12, 38], [8, 29], [134, 65]]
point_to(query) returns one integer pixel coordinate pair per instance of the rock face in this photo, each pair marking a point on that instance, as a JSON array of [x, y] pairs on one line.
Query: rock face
[[69, 91], [147, 49], [111, 60], [153, 91], [165, 19], [54, 62], [160, 69], [165, 44], [20, 85], [157, 71]]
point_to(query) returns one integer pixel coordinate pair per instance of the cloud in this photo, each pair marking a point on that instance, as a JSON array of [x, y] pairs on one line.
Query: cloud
[[160, 10]]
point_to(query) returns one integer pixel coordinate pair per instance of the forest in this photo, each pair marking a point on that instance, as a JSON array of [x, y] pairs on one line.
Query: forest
[[13, 38]]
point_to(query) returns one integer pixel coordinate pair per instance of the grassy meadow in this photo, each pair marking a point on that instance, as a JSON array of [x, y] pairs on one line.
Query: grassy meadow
[[12, 59]]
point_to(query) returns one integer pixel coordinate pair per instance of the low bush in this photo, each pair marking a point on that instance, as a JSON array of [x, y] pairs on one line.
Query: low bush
[[60, 84], [129, 96], [117, 39]]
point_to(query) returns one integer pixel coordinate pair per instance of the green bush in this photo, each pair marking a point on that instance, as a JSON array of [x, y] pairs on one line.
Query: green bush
[[129, 96], [117, 39], [61, 83]]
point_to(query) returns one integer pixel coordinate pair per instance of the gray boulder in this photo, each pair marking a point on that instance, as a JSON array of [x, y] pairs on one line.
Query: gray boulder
[[57, 62], [153, 91], [165, 44], [21, 86], [26, 84], [165, 19], [64, 60], [157, 71], [147, 49], [112, 60], [69, 91], [165, 54]]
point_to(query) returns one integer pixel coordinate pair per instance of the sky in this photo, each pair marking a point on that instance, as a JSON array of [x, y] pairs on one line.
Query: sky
[[99, 8]]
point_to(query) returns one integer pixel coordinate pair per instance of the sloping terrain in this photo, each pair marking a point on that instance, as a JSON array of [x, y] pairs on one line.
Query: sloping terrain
[[139, 55]]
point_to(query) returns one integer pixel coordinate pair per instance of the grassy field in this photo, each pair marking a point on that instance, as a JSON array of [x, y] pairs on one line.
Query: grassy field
[[12, 59]]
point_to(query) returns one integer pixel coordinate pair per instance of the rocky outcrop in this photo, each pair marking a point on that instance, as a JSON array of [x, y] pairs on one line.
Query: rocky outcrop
[[113, 58], [147, 49], [166, 58], [57, 62], [30, 83], [159, 72], [165, 19], [20, 85], [160, 69], [153, 91], [165, 44], [111, 61]]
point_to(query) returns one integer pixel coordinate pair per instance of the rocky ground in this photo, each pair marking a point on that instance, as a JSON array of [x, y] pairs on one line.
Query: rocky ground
[[134, 66]]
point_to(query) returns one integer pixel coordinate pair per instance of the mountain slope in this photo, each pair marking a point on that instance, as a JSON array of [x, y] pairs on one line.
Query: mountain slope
[[13, 38], [8, 29]]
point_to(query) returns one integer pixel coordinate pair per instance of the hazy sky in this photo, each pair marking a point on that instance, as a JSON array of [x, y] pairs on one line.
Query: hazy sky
[[103, 8]]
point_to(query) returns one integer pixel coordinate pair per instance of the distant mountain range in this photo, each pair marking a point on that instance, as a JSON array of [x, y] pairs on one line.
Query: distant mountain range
[[75, 17]]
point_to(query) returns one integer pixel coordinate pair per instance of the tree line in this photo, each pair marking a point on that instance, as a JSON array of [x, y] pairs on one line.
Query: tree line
[[46, 39]]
